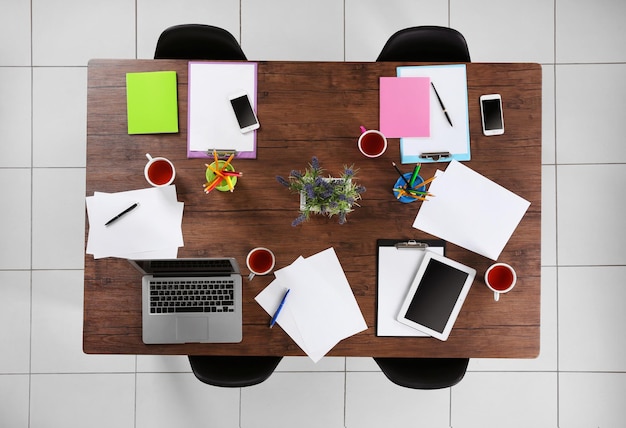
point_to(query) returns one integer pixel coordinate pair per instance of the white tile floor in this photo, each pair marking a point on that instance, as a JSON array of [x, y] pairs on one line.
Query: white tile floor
[[579, 380]]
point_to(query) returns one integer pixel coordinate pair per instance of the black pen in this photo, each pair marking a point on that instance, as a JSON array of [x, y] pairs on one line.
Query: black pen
[[126, 211], [441, 104]]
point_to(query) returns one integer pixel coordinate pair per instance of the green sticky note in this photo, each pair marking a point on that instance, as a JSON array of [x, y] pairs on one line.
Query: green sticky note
[[152, 102]]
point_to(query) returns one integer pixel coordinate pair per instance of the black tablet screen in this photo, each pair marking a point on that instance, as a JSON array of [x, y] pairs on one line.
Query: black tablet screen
[[436, 295]]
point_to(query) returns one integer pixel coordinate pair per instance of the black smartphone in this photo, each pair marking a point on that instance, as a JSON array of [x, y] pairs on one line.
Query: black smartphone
[[491, 113], [243, 112]]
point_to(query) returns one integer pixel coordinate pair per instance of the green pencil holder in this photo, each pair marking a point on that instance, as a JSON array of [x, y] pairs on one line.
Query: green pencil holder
[[223, 185]]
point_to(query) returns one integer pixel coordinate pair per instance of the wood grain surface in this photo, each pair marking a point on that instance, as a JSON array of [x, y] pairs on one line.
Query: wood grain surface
[[315, 109]]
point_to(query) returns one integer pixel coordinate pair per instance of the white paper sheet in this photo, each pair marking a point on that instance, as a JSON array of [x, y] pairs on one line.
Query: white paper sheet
[[321, 309], [212, 123], [396, 271], [152, 230], [471, 211]]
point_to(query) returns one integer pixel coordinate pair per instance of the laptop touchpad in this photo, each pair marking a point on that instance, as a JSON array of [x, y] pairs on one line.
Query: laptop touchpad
[[192, 329]]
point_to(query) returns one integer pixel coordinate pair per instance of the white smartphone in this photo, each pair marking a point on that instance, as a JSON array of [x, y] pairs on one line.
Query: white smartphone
[[243, 112], [491, 113]]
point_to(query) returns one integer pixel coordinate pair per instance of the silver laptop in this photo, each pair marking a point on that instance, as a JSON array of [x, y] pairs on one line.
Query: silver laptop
[[191, 300]]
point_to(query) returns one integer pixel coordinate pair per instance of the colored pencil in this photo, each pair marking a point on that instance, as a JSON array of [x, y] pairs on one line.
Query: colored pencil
[[400, 172], [228, 180], [416, 172], [215, 171], [428, 181], [402, 193], [230, 158], [413, 191], [230, 183], [212, 185]]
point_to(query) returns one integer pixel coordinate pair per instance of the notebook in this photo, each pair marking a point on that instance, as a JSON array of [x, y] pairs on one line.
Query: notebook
[[152, 102], [405, 106], [191, 300]]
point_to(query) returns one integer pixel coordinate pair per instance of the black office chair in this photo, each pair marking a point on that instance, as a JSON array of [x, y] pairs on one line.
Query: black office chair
[[206, 42], [199, 42], [233, 372], [426, 44], [424, 373]]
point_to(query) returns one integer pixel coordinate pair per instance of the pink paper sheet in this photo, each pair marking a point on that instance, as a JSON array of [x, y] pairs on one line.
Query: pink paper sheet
[[405, 106]]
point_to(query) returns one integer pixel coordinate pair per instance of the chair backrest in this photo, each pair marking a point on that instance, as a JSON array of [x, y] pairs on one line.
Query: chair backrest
[[426, 44], [198, 42], [233, 371], [424, 373]]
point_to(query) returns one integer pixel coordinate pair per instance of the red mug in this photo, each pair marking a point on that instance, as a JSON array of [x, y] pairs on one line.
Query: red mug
[[159, 171], [372, 143], [500, 278], [260, 261]]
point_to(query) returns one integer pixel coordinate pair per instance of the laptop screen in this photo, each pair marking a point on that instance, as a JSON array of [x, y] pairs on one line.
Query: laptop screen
[[187, 267]]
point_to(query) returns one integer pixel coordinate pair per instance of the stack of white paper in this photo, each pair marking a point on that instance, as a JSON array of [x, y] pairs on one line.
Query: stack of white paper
[[321, 309], [471, 211], [152, 230]]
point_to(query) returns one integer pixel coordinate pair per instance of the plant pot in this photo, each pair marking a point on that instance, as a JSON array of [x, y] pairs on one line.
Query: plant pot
[[303, 193]]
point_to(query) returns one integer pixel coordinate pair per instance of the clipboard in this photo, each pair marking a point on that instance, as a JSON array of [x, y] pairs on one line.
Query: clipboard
[[211, 122], [397, 263], [445, 142]]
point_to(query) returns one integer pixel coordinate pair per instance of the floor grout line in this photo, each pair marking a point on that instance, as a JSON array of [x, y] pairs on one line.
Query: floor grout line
[[558, 266]]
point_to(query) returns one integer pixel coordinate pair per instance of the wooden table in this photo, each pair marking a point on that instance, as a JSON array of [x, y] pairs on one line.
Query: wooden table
[[315, 109]]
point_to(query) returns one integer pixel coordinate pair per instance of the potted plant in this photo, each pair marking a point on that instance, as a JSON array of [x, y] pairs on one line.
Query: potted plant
[[323, 195]]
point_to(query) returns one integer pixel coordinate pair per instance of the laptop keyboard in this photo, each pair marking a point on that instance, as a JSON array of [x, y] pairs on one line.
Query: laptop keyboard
[[178, 296], [186, 266]]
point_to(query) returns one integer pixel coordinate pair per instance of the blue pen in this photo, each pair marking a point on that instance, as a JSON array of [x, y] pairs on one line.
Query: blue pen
[[280, 307]]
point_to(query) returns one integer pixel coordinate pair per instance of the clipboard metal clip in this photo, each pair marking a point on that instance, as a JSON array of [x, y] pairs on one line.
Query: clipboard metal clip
[[435, 156], [412, 243], [221, 153]]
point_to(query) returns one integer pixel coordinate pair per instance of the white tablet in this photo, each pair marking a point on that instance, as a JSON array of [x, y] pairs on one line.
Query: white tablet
[[436, 295]]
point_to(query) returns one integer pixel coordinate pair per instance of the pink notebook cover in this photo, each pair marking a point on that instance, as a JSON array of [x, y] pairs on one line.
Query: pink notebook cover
[[405, 106]]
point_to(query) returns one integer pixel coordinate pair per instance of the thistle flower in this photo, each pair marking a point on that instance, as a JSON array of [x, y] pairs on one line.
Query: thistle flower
[[282, 181], [300, 219], [309, 190], [342, 218], [315, 164]]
